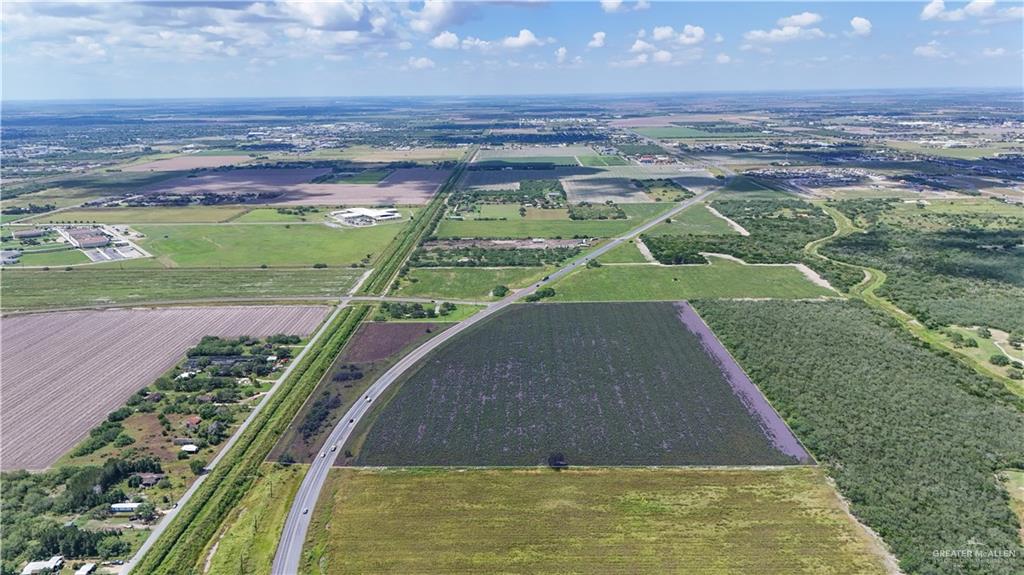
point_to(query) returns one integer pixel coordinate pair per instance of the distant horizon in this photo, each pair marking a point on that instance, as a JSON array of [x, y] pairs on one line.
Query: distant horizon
[[809, 91], [144, 50]]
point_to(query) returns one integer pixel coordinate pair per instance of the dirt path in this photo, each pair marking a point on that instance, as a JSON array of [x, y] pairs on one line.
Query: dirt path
[[646, 251], [739, 229], [874, 279]]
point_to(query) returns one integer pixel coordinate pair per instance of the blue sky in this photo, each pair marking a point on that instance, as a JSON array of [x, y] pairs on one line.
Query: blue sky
[[353, 48]]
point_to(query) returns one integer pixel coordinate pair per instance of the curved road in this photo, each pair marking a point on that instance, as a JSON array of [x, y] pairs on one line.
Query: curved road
[[289, 549]]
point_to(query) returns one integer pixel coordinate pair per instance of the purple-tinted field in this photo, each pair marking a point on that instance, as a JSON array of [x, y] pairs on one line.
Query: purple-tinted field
[[293, 187], [377, 341], [63, 372], [605, 384]]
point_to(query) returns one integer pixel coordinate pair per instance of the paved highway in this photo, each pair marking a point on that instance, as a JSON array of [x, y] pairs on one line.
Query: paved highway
[[289, 550]]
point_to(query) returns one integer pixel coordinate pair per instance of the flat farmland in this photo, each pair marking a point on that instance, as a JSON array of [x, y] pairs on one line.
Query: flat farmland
[[471, 283], [784, 521], [476, 177], [402, 186], [41, 289], [697, 220], [188, 162], [600, 190], [252, 245], [536, 228], [175, 215], [377, 341], [375, 155], [722, 278], [610, 384], [64, 371]]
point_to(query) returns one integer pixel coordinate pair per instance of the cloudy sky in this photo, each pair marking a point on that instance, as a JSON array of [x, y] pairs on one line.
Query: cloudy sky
[[354, 48]]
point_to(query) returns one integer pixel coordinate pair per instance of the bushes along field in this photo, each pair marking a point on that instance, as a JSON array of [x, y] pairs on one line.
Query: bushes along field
[[913, 440]]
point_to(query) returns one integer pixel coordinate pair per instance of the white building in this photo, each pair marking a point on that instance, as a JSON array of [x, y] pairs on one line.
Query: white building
[[87, 569], [190, 448], [49, 566], [124, 507], [366, 216]]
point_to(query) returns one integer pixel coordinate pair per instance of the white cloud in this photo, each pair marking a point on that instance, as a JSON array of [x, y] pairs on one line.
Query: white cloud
[[597, 40], [663, 33], [642, 46], [524, 39], [691, 35], [638, 60], [801, 20], [936, 10], [421, 63], [784, 34], [612, 6], [931, 50], [979, 7], [860, 26], [405, 45], [434, 15], [719, 39], [723, 59], [470, 42], [324, 14], [993, 52], [561, 54], [662, 56], [445, 41]]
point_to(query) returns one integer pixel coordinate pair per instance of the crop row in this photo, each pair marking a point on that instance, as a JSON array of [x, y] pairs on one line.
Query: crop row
[[182, 544]]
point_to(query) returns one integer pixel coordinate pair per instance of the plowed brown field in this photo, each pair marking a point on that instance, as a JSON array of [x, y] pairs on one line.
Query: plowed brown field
[[64, 372]]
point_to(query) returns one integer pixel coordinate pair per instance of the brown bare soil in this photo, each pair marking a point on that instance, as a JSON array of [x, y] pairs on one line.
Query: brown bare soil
[[64, 372], [189, 162], [403, 186], [377, 341]]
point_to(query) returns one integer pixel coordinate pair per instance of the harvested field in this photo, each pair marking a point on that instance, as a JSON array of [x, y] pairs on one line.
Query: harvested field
[[187, 162], [403, 186], [492, 178], [600, 190], [65, 371], [413, 186], [519, 244], [781, 521], [612, 384], [532, 152], [39, 289], [377, 341]]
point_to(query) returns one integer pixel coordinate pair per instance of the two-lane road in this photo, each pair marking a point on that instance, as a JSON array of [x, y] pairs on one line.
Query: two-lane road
[[289, 550]]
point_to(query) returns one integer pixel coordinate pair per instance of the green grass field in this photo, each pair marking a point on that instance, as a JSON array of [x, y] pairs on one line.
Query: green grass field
[[170, 215], [363, 177], [239, 245], [721, 279], [556, 160], [271, 215], [601, 161], [465, 283], [695, 220], [529, 228], [600, 521], [60, 258], [247, 543], [625, 253], [90, 285], [970, 153]]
